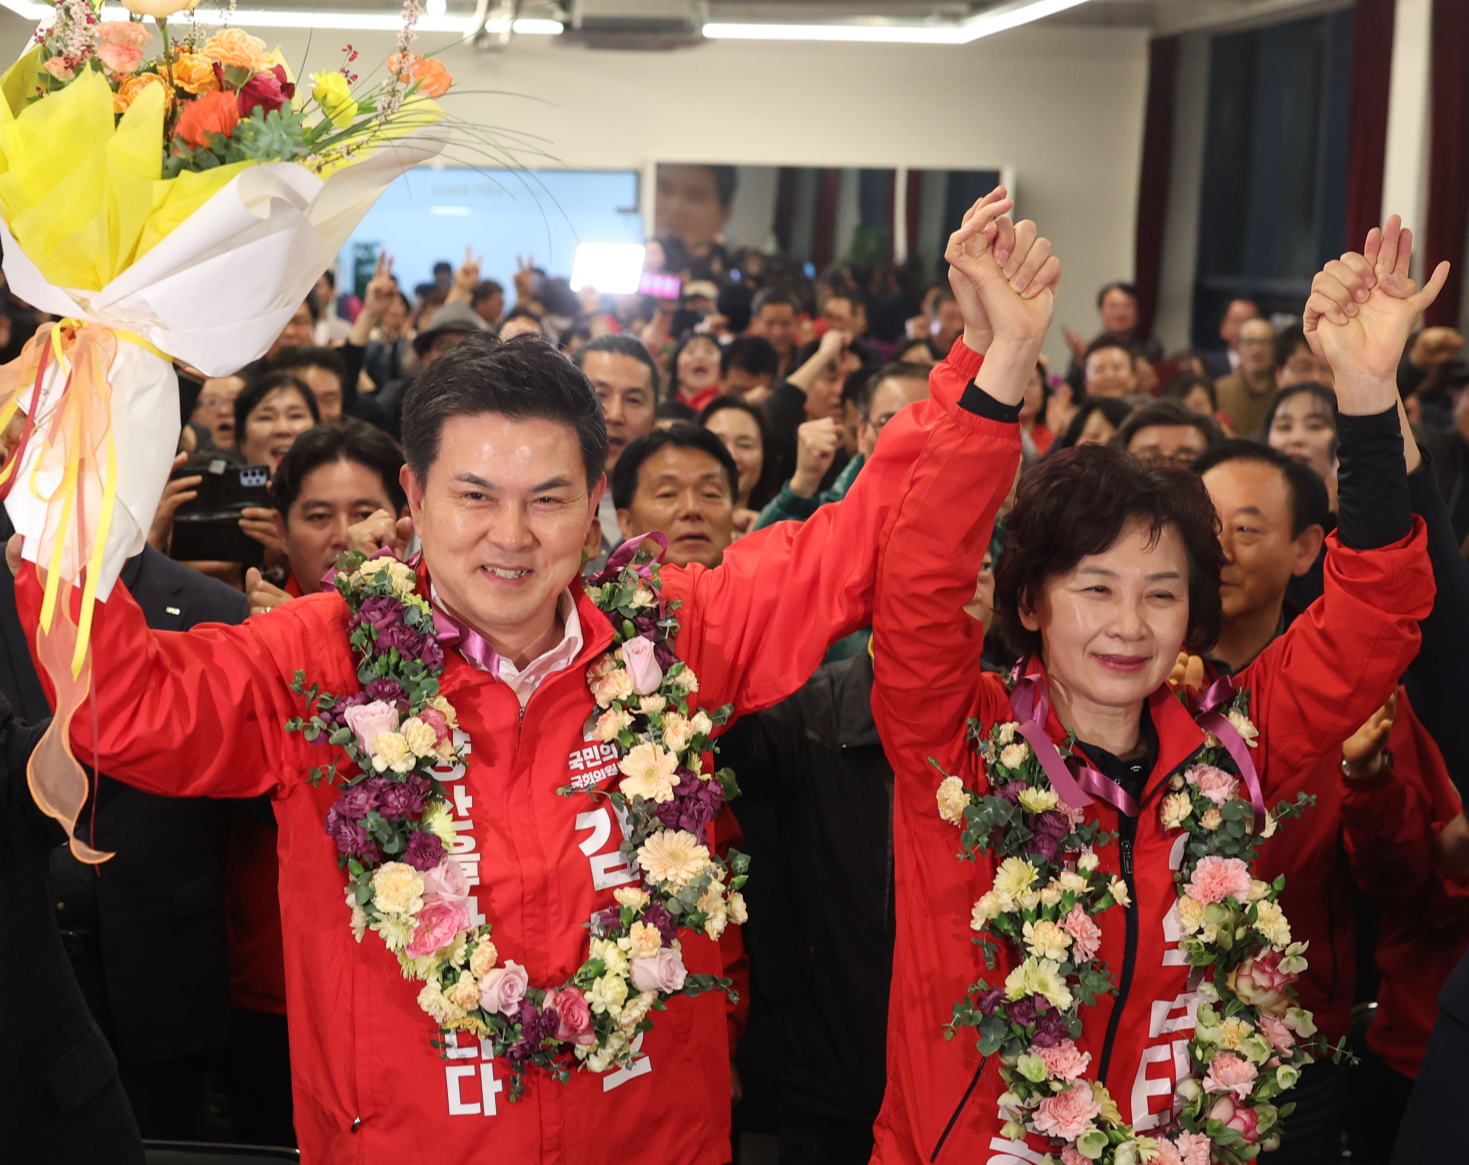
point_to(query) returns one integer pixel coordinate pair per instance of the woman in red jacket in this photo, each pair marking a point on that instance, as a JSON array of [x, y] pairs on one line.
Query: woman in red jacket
[[1126, 976]]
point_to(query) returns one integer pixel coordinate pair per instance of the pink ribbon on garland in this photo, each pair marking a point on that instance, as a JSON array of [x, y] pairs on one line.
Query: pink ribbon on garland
[[625, 553], [1216, 696], [1032, 705]]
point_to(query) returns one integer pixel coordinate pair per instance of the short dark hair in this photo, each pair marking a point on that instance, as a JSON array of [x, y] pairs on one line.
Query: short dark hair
[[261, 387], [1116, 411], [670, 409], [486, 289], [680, 435], [1287, 340], [328, 358], [1319, 391], [1127, 289], [1105, 341], [621, 345], [1075, 503], [313, 305], [520, 378], [917, 342], [767, 296], [896, 370], [1308, 501], [1168, 412], [1181, 385], [769, 482], [733, 302], [354, 441], [753, 354]]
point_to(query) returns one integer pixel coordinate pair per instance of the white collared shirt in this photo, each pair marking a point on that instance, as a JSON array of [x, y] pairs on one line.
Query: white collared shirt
[[523, 682]]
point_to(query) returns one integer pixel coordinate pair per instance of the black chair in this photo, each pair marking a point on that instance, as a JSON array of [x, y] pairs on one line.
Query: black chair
[[201, 1153]]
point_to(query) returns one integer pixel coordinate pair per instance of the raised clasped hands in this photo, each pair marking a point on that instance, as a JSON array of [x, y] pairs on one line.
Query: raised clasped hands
[[1005, 280], [1362, 309]]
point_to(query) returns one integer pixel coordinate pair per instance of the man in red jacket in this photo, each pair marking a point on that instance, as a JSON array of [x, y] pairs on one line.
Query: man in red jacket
[[505, 449], [1112, 621]]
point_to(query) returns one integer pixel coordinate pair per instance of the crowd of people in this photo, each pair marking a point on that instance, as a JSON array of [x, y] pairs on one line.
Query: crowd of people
[[876, 497]]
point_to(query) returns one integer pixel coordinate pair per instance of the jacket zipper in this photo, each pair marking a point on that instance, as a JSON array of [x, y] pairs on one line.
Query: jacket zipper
[[949, 1128]]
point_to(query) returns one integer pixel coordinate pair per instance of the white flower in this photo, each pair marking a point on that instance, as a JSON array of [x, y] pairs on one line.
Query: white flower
[[611, 723], [1119, 892], [644, 941], [1258, 889], [608, 994], [1005, 733], [711, 903], [701, 722], [738, 914], [395, 930], [642, 597], [614, 961], [1242, 724], [987, 908], [686, 680], [1191, 914], [1039, 977], [677, 732], [403, 580], [1069, 880], [421, 738], [1035, 800], [651, 705], [483, 961], [390, 751], [631, 897], [1270, 826], [433, 1001], [1012, 756], [359, 922], [1176, 810], [1046, 940], [1211, 820], [648, 772], [1014, 877], [673, 856], [1087, 862], [953, 799], [397, 888], [615, 686], [1029, 899], [1051, 895]]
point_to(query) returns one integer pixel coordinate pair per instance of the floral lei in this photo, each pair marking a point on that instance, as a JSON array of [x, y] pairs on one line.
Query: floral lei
[[1251, 1040], [393, 825]]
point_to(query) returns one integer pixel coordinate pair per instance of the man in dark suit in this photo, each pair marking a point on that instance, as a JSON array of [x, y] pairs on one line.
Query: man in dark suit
[[145, 931], [60, 1099]]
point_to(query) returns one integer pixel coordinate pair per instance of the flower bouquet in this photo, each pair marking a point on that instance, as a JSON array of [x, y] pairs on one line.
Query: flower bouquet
[[144, 173]]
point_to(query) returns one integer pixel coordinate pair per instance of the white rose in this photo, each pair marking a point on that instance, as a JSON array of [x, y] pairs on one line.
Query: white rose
[[702, 724]]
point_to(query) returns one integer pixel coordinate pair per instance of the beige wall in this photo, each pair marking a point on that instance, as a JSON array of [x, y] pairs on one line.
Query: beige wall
[[1062, 106]]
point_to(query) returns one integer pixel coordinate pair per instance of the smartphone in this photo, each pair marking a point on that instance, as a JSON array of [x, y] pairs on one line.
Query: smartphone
[[661, 286], [208, 528]]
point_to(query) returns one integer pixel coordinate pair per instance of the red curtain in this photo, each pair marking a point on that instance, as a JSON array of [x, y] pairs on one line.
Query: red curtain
[[1448, 186], [1372, 28], [1152, 192]]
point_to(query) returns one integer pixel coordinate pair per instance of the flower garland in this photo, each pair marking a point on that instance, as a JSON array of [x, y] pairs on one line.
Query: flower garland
[[1251, 1040], [393, 826]]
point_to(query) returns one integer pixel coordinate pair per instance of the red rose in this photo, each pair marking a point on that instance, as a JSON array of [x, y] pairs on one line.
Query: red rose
[[267, 91]]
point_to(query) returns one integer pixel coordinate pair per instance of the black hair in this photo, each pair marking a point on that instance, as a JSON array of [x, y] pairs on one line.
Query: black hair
[[1181, 386], [313, 305], [680, 435], [486, 289], [1076, 503], [768, 484], [443, 265], [1308, 501], [767, 296], [1115, 411], [1319, 391], [331, 278], [328, 358], [352, 440], [261, 387], [733, 303], [1167, 412], [1104, 341], [691, 338], [519, 378], [618, 344], [1127, 289], [1287, 340], [753, 354], [908, 345], [669, 409], [897, 370]]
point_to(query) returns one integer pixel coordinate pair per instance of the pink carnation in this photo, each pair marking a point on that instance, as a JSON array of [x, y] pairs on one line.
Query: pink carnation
[[1193, 1148], [1216, 879], [1071, 1155], [1067, 1114], [438, 923], [1215, 784], [59, 69], [1086, 935], [1230, 1073], [120, 58], [127, 32], [1167, 1153], [1274, 1029], [1065, 1060]]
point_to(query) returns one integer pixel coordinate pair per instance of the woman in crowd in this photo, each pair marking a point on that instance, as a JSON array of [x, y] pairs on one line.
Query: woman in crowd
[[1302, 425], [270, 412], [1095, 423], [745, 432], [1195, 392], [1093, 1033], [1035, 438], [695, 379]]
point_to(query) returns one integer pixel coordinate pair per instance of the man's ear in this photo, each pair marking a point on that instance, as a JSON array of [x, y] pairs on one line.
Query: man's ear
[[625, 524], [1308, 549], [280, 523], [412, 490], [596, 492]]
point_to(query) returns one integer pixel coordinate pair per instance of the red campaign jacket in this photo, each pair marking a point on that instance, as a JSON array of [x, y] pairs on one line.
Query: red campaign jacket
[[1390, 822], [203, 713], [1320, 680]]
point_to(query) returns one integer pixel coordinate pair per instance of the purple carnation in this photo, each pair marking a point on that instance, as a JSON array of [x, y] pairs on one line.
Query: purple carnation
[[357, 801], [379, 612], [1022, 1011], [432, 654], [696, 802], [371, 853], [389, 692], [647, 626], [605, 921], [402, 799], [349, 835], [425, 851], [536, 1027], [656, 915], [1049, 828], [1011, 791], [991, 1000], [1050, 1029], [408, 643], [664, 655]]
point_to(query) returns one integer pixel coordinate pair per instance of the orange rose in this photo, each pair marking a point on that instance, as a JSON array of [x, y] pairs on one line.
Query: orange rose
[[128, 92], [433, 79], [212, 113], [194, 74], [235, 46]]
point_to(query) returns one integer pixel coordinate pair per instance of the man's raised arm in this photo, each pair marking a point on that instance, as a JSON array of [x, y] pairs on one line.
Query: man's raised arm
[[199, 713], [756, 627]]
